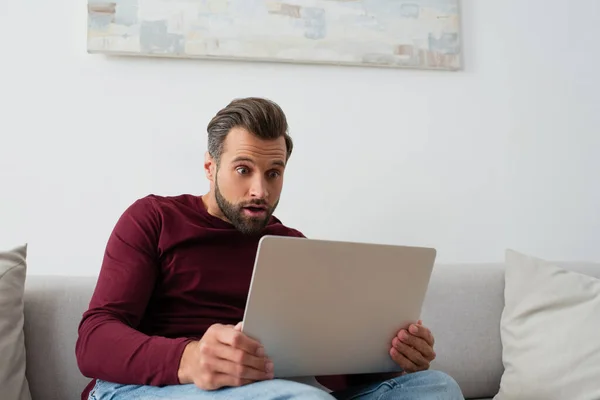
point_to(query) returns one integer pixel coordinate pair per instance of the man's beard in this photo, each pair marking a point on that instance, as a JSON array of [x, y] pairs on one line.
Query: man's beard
[[235, 213]]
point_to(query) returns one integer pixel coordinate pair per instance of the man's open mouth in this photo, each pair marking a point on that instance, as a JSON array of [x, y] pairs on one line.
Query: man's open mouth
[[256, 209]]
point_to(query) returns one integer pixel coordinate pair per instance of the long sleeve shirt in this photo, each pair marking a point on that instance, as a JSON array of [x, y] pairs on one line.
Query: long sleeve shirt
[[170, 270]]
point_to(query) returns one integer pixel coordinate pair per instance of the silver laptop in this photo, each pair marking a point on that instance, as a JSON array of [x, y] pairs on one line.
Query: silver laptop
[[326, 307]]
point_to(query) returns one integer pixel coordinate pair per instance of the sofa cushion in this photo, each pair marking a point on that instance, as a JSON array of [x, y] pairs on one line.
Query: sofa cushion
[[13, 269], [549, 329]]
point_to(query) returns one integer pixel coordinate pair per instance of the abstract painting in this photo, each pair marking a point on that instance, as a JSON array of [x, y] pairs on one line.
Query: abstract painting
[[384, 33]]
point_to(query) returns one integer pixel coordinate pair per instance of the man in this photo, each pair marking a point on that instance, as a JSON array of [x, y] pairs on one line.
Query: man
[[164, 319]]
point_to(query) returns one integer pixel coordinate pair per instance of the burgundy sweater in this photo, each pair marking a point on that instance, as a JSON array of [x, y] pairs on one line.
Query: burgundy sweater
[[170, 270]]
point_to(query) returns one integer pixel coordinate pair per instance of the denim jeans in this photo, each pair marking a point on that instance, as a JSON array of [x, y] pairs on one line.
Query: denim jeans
[[425, 385]]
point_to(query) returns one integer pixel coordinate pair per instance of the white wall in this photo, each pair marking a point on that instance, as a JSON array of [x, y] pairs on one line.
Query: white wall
[[503, 154]]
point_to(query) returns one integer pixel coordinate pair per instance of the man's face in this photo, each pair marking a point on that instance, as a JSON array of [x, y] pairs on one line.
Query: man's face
[[249, 179]]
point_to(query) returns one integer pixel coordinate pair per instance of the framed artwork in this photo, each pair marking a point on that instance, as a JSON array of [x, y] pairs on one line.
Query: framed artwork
[[421, 34]]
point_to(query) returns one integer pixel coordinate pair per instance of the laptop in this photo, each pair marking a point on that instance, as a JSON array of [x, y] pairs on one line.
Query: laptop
[[324, 307]]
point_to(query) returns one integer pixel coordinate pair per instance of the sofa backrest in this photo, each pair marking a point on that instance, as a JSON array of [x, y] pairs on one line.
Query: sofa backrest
[[463, 308], [53, 308]]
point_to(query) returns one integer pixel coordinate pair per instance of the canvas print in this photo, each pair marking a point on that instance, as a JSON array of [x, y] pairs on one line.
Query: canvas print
[[388, 33]]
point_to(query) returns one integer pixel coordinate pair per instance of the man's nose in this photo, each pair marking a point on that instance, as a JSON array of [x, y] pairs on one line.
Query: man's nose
[[258, 190]]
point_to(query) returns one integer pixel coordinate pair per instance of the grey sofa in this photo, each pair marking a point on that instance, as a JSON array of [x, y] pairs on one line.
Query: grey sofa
[[463, 308]]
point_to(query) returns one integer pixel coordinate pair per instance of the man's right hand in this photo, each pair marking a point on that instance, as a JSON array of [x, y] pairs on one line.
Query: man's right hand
[[224, 357]]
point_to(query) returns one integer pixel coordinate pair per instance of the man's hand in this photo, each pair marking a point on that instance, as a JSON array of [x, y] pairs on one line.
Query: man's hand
[[224, 357], [412, 350]]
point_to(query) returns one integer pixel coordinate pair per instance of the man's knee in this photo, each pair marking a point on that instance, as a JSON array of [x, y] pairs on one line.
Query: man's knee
[[443, 382], [430, 382]]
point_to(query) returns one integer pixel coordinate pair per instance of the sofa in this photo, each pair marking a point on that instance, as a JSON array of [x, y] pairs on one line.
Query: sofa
[[463, 307]]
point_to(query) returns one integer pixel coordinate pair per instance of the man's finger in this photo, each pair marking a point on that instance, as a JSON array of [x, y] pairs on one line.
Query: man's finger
[[417, 343], [240, 371], [422, 332], [402, 361], [410, 353], [239, 356], [223, 380], [239, 340]]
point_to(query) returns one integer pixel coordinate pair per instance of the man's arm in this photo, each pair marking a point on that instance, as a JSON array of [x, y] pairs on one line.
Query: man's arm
[[109, 347]]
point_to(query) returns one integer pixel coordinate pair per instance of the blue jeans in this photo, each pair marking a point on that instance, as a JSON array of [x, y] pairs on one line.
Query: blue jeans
[[425, 385]]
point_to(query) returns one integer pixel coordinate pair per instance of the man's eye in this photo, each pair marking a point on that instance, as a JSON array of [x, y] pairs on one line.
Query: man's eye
[[274, 174], [242, 170]]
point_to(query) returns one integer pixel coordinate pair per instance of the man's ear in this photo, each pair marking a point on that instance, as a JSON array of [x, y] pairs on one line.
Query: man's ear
[[210, 167]]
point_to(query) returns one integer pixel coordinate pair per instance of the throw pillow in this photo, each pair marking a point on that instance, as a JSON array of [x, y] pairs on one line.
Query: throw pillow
[[550, 332], [13, 268]]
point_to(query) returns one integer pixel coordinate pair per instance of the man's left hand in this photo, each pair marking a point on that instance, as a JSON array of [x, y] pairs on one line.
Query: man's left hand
[[412, 349]]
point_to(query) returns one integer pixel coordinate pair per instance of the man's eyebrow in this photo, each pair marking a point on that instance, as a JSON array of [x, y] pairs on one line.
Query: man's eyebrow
[[251, 161], [245, 159]]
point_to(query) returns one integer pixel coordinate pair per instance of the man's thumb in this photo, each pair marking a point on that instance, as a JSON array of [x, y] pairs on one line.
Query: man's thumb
[[238, 327]]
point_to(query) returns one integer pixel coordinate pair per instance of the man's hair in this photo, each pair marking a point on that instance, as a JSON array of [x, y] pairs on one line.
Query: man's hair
[[261, 117]]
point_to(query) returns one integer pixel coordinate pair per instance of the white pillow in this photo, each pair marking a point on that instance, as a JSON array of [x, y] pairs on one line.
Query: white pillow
[[550, 331], [13, 268]]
